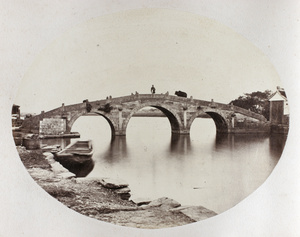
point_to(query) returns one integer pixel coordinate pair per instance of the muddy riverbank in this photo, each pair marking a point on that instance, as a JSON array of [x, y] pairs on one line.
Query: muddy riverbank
[[89, 197]]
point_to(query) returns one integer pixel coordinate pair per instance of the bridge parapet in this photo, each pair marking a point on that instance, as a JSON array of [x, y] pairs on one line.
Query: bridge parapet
[[249, 113], [134, 97], [232, 108]]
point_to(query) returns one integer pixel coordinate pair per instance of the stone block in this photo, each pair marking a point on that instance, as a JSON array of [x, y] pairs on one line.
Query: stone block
[[122, 190], [113, 183], [87, 180], [52, 126], [141, 201], [165, 203], [125, 196], [58, 168], [67, 175], [196, 213]]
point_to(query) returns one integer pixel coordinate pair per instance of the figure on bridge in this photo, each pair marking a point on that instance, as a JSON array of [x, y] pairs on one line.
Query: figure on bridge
[[153, 89], [88, 105]]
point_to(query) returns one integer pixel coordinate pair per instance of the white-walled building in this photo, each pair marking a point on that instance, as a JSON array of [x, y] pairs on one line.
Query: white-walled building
[[279, 108]]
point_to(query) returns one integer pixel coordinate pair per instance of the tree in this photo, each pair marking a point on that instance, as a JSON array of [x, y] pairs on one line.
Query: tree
[[256, 102]]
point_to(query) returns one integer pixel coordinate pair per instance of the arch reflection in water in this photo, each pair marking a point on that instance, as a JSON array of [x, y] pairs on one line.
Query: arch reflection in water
[[238, 140], [116, 150], [180, 144], [224, 168], [256, 148], [276, 142]]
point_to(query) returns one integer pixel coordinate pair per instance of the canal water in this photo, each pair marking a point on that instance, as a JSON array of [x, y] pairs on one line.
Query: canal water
[[205, 169]]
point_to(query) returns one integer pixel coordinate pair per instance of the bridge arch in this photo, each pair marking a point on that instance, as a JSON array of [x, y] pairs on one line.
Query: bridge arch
[[173, 117], [77, 115], [72, 119], [219, 120]]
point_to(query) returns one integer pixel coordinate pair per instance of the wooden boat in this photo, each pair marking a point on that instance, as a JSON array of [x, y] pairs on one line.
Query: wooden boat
[[80, 149], [77, 157]]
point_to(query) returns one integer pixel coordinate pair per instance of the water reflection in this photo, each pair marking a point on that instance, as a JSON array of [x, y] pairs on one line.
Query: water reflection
[[155, 163], [116, 150], [180, 144], [234, 141], [222, 141], [277, 143], [78, 167]]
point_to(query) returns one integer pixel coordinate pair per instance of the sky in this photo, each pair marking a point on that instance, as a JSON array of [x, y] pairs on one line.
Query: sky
[[121, 53]]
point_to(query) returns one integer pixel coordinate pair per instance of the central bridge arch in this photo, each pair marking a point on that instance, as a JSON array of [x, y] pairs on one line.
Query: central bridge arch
[[173, 117]]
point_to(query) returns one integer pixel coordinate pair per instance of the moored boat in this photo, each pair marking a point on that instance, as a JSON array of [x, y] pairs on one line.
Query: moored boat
[[77, 157]]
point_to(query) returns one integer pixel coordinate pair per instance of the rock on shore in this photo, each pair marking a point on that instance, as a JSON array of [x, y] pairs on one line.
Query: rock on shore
[[196, 213], [113, 183]]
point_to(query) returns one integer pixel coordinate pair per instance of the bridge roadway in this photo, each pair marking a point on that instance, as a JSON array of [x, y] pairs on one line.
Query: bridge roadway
[[180, 111]]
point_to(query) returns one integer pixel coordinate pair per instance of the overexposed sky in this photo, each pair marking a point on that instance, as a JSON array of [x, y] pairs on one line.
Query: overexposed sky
[[118, 54]]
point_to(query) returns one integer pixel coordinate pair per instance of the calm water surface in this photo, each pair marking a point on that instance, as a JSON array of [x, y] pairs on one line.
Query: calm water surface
[[216, 172]]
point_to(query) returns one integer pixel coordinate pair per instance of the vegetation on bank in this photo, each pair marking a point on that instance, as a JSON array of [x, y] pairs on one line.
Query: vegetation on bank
[[257, 102]]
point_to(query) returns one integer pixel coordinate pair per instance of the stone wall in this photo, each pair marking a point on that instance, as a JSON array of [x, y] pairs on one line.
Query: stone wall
[[52, 126]]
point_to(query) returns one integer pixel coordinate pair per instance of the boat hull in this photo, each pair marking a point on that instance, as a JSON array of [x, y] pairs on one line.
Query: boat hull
[[77, 158]]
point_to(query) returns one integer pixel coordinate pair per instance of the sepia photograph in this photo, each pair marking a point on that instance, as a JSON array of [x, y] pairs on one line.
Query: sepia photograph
[[147, 116]]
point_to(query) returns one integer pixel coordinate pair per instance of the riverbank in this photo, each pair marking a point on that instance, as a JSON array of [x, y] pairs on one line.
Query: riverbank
[[89, 197]]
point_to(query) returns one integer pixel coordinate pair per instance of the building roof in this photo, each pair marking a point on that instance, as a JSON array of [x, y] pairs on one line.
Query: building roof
[[279, 95]]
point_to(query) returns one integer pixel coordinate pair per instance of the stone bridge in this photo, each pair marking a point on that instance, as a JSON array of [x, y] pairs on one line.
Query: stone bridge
[[180, 111]]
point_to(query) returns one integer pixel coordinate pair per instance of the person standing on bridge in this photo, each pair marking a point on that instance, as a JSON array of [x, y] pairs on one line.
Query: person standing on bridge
[[153, 89]]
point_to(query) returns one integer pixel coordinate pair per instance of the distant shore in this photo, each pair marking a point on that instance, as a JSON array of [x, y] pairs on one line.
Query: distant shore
[[159, 113]]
